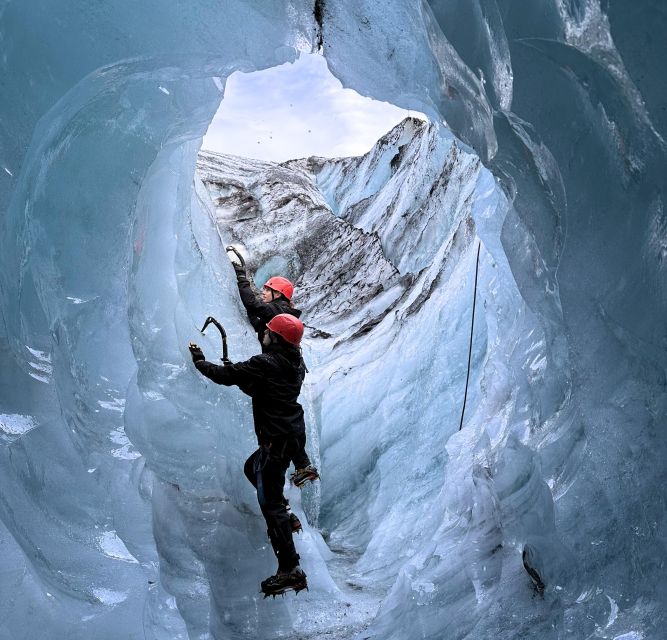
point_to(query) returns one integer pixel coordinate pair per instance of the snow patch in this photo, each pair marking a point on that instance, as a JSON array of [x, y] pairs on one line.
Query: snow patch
[[113, 547], [126, 451], [15, 424], [613, 613], [107, 596], [116, 404]]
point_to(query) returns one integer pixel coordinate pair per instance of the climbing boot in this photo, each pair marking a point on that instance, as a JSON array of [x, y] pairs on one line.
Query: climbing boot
[[283, 581], [301, 476], [295, 523]]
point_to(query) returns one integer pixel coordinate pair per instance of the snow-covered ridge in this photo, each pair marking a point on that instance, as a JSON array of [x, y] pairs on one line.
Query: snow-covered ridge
[[347, 230]]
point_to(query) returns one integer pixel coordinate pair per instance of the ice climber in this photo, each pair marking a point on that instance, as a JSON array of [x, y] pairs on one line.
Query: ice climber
[[276, 299], [273, 380]]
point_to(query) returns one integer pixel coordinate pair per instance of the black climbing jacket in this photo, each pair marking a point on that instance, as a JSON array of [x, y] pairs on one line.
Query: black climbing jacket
[[260, 312], [273, 380]]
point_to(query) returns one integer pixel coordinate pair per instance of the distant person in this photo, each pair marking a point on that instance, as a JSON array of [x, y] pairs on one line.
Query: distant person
[[276, 299], [273, 380]]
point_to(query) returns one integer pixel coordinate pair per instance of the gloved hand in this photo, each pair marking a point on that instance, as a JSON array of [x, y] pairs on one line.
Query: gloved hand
[[196, 353]]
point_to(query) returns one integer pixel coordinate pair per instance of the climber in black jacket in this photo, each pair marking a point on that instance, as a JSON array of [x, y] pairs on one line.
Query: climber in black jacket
[[276, 296], [276, 299], [273, 380]]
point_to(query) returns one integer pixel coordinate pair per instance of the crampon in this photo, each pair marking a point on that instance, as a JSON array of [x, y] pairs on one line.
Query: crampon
[[295, 523], [283, 581], [301, 476]]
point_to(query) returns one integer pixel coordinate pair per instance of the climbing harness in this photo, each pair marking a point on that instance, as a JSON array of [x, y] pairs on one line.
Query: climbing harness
[[223, 335], [472, 327]]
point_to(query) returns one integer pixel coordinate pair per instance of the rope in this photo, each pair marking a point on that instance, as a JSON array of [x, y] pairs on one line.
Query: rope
[[472, 327]]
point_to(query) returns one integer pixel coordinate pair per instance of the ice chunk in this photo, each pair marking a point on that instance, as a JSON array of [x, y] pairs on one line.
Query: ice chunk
[[114, 547]]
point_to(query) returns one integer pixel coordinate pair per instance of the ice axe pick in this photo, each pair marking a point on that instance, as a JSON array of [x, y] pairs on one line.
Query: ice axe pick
[[223, 335]]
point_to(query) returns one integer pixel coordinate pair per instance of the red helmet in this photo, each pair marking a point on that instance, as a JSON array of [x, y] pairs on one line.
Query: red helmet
[[287, 327], [281, 285]]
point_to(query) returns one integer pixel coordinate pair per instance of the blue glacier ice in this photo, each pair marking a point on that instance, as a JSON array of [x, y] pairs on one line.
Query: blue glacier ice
[[124, 512]]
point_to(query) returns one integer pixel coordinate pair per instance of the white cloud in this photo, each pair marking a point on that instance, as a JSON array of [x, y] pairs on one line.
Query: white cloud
[[295, 111]]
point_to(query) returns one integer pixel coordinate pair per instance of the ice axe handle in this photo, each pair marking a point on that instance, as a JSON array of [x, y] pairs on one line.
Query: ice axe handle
[[238, 255], [223, 335]]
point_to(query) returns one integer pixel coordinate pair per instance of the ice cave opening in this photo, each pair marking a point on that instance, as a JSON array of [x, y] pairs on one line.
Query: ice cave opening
[[369, 241], [295, 110], [123, 509]]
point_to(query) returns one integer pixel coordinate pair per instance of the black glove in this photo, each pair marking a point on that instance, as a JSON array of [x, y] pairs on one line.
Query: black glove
[[239, 269], [196, 353]]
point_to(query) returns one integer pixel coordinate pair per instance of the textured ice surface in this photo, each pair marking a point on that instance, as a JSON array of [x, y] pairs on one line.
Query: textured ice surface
[[115, 451]]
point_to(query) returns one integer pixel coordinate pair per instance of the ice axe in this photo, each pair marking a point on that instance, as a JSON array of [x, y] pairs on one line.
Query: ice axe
[[234, 250], [223, 335]]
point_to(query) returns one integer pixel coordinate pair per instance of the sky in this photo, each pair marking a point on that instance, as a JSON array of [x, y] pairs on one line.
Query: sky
[[295, 111]]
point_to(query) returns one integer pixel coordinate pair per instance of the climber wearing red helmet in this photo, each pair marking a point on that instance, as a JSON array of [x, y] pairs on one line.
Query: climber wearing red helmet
[[276, 296], [287, 327], [273, 380], [281, 285], [276, 299]]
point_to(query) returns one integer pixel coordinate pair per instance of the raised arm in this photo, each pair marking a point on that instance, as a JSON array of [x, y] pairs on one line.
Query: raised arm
[[246, 375]]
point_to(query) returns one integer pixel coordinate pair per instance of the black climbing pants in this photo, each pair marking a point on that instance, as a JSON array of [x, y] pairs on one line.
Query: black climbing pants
[[300, 458], [265, 469]]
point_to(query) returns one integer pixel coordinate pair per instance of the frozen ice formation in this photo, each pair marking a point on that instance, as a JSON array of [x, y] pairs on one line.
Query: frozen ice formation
[[124, 512]]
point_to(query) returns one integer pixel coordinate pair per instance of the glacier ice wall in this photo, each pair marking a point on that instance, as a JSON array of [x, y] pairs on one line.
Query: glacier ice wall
[[123, 510]]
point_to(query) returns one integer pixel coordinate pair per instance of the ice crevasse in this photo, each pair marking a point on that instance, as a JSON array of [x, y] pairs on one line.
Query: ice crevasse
[[123, 507]]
